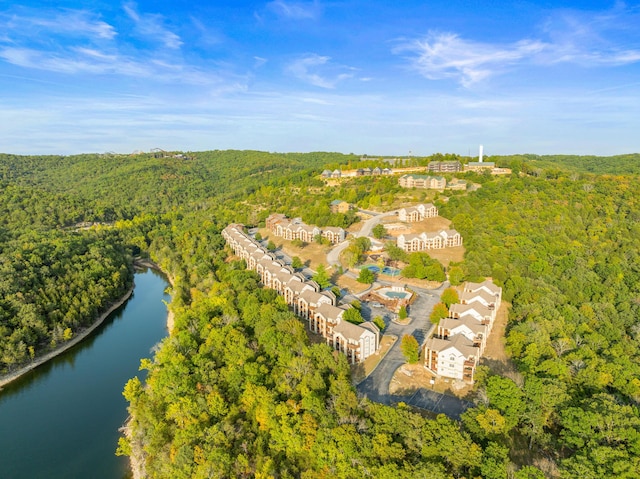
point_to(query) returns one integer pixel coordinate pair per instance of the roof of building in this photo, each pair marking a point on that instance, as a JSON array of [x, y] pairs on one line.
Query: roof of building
[[465, 322], [486, 164], [468, 309], [486, 284], [349, 330], [458, 342], [411, 236], [329, 311], [371, 327], [298, 286], [314, 297], [470, 296]]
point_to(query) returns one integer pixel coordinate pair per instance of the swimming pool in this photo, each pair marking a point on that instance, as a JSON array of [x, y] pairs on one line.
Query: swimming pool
[[386, 270], [390, 271], [396, 294]]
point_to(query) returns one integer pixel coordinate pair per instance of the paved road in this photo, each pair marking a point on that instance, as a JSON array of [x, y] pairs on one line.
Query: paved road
[[333, 257], [377, 383], [376, 386]]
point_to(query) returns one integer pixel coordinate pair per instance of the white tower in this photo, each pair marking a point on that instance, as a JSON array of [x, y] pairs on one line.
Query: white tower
[[480, 155]]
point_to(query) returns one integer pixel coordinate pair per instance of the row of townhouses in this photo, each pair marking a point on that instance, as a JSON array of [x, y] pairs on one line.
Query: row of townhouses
[[377, 171], [455, 350], [431, 182], [417, 213], [291, 229], [319, 308], [425, 241]]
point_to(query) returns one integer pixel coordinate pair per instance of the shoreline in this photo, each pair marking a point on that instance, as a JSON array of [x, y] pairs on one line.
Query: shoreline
[[80, 335], [148, 263], [136, 458]]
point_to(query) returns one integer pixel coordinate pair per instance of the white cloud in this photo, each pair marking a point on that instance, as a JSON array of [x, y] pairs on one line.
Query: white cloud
[[587, 40], [76, 42], [318, 71], [152, 26], [446, 55], [77, 60], [259, 61], [30, 23], [296, 10], [594, 40]]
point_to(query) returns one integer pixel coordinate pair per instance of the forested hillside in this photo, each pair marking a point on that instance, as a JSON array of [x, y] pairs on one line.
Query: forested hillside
[[238, 391], [553, 165], [54, 279], [566, 251], [56, 275]]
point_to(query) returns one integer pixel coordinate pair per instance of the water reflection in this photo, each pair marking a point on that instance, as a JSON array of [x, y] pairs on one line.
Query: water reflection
[[61, 420]]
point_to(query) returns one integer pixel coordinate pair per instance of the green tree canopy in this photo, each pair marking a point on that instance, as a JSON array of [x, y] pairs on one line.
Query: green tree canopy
[[322, 276], [366, 276], [296, 263], [379, 231], [440, 311], [353, 316], [410, 348], [449, 297], [422, 266]]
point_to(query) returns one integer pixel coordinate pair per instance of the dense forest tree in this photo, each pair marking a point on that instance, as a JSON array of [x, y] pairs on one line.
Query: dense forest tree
[[570, 246], [237, 390]]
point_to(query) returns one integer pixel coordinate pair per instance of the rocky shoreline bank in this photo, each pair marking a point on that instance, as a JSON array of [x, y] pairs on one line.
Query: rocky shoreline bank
[[80, 335]]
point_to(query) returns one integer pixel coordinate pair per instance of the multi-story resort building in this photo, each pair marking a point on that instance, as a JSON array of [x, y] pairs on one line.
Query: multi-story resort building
[[455, 350], [340, 206], [444, 166], [417, 213], [457, 184], [422, 181], [293, 229], [318, 308], [479, 166], [426, 241]]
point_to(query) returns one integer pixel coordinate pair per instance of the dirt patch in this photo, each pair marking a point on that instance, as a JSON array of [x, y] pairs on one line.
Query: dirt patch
[[408, 378], [447, 255], [419, 283], [431, 224], [495, 355], [403, 322], [313, 253], [346, 282], [434, 224], [360, 371]]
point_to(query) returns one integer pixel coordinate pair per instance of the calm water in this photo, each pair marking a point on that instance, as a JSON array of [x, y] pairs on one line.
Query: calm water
[[62, 419]]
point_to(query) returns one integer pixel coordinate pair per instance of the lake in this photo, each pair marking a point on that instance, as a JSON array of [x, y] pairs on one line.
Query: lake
[[61, 420]]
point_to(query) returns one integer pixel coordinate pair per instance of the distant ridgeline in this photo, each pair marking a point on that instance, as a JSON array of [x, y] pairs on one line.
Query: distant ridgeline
[[615, 165]]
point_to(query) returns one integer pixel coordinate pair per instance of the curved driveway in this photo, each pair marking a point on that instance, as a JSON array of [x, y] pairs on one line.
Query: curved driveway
[[376, 386], [333, 256]]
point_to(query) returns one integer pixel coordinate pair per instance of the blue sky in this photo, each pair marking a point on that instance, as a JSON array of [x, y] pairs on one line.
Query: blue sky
[[352, 76]]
